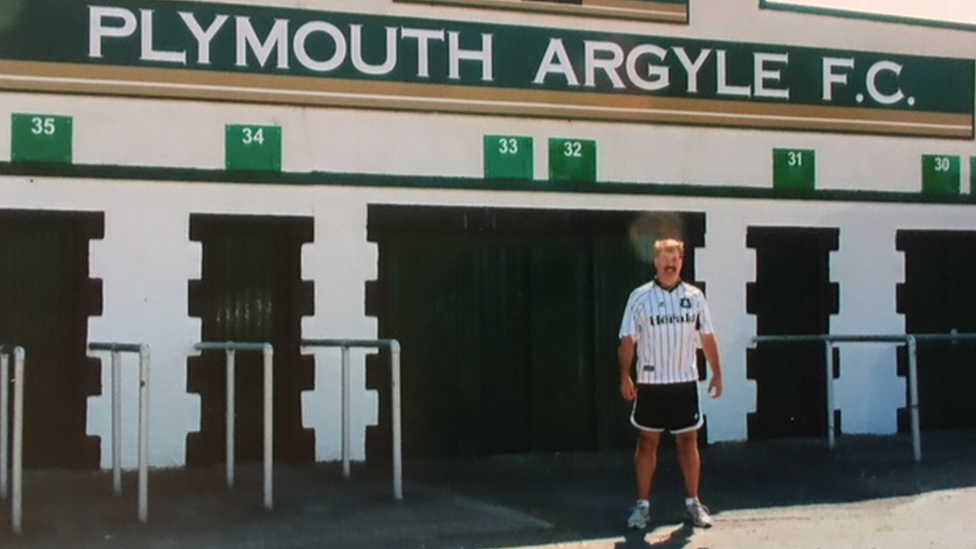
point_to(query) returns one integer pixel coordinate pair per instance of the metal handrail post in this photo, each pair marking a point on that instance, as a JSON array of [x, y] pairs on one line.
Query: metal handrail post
[[230, 347], [4, 424], [829, 348], [394, 347], [143, 446], [829, 341], [143, 433], [268, 352], [913, 396], [16, 512], [346, 413], [911, 342], [116, 423], [230, 421], [397, 433]]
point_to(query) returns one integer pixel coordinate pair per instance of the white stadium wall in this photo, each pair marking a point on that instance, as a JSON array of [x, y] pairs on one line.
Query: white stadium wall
[[146, 258]]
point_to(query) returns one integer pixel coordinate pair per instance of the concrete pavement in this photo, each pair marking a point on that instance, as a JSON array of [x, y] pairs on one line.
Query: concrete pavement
[[783, 494], [937, 519]]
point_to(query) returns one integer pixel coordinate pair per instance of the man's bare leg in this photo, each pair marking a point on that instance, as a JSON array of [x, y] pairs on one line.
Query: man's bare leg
[[645, 462]]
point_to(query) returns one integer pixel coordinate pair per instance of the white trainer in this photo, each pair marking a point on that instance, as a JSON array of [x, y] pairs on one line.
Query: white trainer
[[639, 517], [698, 515]]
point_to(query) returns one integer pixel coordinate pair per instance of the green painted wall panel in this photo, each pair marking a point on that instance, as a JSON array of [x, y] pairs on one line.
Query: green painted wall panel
[[44, 307], [250, 291], [938, 296], [508, 320]]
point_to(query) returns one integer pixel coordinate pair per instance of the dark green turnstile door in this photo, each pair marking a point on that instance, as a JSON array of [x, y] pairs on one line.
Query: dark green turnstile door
[[46, 298], [251, 291], [792, 295], [938, 296], [508, 321], [561, 345]]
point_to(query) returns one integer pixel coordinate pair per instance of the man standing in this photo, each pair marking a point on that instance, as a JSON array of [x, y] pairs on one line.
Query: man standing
[[665, 322]]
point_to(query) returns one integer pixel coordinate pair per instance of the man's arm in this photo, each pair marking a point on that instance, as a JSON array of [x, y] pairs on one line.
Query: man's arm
[[710, 348], [625, 356]]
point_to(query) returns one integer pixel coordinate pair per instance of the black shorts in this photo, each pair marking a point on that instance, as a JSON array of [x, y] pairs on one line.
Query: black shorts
[[672, 407]]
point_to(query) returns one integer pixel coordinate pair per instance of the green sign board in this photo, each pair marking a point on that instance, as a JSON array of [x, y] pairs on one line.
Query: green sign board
[[941, 174], [572, 160], [508, 157], [278, 54], [41, 138], [253, 148], [794, 169]]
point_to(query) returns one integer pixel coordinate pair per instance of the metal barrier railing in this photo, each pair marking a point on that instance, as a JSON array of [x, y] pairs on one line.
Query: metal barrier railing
[[910, 340], [230, 348], [17, 456], [143, 350], [394, 346]]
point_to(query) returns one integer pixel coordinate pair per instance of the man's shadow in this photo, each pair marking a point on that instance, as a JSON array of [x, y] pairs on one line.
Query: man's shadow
[[677, 537]]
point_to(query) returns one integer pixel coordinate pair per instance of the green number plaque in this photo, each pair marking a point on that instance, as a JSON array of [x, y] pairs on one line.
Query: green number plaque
[[253, 148], [941, 174], [41, 138], [572, 160], [508, 157], [794, 169]]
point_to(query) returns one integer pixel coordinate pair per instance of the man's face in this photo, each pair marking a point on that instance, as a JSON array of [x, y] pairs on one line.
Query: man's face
[[668, 264]]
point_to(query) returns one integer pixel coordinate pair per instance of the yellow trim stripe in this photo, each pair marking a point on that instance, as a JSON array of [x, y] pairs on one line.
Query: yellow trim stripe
[[304, 90]]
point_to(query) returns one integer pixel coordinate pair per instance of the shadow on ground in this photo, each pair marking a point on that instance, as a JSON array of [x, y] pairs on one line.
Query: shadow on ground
[[500, 501], [591, 494]]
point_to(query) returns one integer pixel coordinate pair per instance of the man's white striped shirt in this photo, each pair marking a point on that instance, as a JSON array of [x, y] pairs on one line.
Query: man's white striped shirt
[[666, 326]]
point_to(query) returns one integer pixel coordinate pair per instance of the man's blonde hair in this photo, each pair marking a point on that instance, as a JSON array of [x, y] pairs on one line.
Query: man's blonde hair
[[668, 244]]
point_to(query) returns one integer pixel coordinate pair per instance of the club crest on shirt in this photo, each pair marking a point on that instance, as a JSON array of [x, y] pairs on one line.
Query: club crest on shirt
[[685, 303]]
